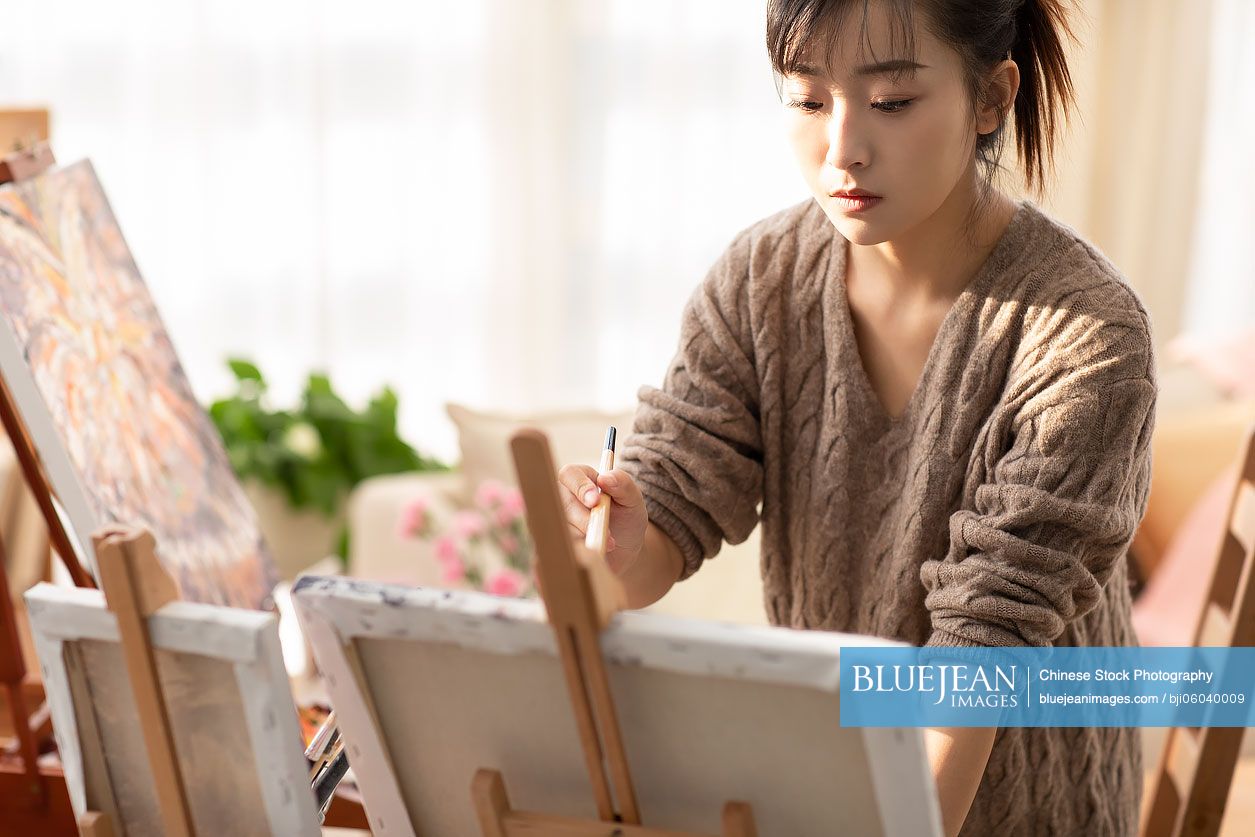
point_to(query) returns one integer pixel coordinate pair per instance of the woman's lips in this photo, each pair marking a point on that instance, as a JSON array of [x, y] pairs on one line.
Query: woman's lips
[[857, 203]]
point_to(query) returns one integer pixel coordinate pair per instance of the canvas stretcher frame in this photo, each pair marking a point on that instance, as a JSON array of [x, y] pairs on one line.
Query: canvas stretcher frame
[[246, 641]]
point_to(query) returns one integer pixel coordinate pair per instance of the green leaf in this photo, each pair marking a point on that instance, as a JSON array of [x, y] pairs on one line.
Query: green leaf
[[382, 410], [343, 541], [246, 371], [321, 485]]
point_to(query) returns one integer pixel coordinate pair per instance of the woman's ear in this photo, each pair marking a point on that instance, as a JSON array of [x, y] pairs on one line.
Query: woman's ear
[[1001, 85]]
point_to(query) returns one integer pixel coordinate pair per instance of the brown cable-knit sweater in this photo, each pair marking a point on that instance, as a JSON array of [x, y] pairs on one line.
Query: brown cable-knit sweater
[[996, 510]]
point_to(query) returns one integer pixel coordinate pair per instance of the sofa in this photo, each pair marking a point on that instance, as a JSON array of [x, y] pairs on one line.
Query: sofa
[[727, 588], [1198, 433]]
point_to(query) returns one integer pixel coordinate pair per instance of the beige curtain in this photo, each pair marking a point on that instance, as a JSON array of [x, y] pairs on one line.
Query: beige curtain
[[1128, 171]]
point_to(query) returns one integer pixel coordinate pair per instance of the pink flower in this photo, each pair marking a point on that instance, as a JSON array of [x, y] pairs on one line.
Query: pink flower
[[446, 550], [512, 501], [505, 582], [468, 524], [509, 544], [453, 571], [413, 518], [489, 493]]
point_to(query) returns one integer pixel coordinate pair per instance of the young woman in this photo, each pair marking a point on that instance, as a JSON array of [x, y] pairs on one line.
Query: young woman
[[941, 397]]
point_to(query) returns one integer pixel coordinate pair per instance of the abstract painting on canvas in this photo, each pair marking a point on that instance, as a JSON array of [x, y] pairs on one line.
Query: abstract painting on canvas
[[101, 391]]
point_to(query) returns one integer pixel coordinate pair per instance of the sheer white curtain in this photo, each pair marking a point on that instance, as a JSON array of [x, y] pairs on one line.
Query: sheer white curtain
[[503, 202], [1221, 297]]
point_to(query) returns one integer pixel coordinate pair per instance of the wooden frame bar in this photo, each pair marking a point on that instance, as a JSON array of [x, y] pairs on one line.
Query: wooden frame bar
[[135, 588]]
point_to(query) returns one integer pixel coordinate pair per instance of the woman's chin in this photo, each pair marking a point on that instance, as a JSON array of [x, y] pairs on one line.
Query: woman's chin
[[858, 231]]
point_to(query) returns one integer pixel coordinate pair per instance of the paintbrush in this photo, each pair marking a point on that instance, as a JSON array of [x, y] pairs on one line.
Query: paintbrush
[[599, 517]]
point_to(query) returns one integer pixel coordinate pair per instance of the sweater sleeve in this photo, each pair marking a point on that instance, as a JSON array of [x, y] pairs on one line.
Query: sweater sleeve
[[695, 449], [1056, 512]]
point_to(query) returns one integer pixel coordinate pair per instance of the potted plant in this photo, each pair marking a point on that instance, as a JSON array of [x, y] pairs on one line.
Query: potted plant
[[299, 465]]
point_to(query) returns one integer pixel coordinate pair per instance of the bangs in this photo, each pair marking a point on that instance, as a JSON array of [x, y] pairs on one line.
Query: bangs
[[802, 34]]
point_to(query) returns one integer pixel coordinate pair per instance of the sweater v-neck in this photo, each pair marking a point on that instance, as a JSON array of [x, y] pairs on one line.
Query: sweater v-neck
[[960, 310]]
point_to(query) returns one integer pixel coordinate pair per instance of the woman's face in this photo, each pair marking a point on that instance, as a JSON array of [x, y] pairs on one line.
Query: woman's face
[[908, 138]]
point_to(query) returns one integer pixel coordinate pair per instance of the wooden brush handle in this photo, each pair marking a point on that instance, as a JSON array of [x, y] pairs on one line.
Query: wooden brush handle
[[598, 525]]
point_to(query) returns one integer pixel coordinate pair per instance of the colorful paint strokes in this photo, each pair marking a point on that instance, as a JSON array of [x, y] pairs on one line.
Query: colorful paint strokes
[[98, 384]]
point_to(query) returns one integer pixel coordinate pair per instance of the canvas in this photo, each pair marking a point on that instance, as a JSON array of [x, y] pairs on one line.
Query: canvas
[[234, 725], [429, 686], [102, 393]]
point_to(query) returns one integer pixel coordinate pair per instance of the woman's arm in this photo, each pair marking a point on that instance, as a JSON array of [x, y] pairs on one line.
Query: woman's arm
[[957, 756], [654, 571]]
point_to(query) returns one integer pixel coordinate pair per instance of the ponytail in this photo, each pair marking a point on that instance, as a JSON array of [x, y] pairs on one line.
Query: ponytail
[[1046, 95]]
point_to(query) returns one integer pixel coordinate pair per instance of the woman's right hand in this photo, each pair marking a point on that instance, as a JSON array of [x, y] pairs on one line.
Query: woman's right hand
[[578, 487]]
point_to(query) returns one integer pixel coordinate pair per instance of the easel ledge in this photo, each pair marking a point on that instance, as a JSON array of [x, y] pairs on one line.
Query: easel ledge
[[580, 595], [497, 819]]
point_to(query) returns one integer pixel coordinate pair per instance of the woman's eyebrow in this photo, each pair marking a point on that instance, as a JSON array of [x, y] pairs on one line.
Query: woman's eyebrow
[[894, 67]]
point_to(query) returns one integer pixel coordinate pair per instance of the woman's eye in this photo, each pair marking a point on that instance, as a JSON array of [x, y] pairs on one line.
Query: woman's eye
[[811, 106], [806, 105], [894, 106]]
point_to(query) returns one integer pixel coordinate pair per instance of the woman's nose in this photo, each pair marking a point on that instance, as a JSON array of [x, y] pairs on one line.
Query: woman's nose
[[847, 140]]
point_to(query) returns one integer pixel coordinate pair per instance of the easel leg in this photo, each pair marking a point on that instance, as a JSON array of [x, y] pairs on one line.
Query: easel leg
[[12, 678], [491, 802], [95, 824], [136, 586], [738, 820]]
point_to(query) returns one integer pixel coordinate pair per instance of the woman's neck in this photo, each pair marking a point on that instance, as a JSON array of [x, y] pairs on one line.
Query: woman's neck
[[940, 255]]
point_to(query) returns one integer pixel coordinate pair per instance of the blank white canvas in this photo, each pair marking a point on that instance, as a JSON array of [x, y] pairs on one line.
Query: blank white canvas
[[430, 685]]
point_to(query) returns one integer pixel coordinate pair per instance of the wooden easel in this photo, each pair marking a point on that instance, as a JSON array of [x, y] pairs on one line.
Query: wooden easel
[[33, 798], [1190, 788], [344, 811], [23, 128], [135, 586], [580, 595]]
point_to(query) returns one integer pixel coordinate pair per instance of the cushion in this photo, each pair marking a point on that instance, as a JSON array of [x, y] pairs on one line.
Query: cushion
[[1228, 362], [575, 436], [1190, 447]]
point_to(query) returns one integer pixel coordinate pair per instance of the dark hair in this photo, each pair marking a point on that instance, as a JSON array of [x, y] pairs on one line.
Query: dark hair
[[982, 32]]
